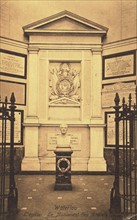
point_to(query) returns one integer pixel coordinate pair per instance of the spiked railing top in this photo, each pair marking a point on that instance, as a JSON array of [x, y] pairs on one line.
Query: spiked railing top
[[12, 98], [123, 103], [130, 100], [117, 99], [136, 96], [6, 99]]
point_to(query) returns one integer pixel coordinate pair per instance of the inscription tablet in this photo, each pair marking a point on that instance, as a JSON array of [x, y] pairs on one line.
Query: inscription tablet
[[123, 89], [18, 137], [110, 130], [119, 65], [12, 64], [75, 141]]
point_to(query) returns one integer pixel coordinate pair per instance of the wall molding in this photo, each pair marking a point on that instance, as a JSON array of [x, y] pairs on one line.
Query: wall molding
[[14, 43], [121, 43], [105, 46]]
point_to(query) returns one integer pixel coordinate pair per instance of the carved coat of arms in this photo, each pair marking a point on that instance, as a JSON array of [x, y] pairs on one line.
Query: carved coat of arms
[[65, 82]]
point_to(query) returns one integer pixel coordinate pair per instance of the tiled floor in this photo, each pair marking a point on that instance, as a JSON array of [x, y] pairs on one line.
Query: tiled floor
[[89, 199]]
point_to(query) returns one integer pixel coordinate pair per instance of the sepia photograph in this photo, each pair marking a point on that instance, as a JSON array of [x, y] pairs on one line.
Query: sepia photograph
[[68, 110]]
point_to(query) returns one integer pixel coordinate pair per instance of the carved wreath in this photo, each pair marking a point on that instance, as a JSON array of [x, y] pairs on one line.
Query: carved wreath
[[63, 165]]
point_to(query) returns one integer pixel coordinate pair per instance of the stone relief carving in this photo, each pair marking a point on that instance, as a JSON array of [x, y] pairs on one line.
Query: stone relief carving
[[64, 82]]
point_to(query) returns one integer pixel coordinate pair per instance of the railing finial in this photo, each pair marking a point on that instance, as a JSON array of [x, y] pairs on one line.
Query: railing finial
[[6, 99], [130, 100], [136, 96], [117, 99], [12, 98]]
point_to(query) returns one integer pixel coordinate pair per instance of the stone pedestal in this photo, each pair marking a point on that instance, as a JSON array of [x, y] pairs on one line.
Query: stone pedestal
[[63, 169]]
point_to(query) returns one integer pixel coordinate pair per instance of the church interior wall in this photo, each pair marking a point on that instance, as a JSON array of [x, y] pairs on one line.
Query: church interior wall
[[122, 85], [112, 14], [20, 48], [121, 37]]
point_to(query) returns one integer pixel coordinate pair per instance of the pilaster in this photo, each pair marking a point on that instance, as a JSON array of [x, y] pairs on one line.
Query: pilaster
[[96, 68], [31, 160], [96, 161], [32, 86]]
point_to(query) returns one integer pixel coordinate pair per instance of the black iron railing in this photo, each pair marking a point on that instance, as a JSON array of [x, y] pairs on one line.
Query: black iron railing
[[123, 197], [8, 190]]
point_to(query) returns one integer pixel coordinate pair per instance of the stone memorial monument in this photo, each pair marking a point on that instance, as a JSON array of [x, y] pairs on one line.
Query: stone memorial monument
[[66, 68], [63, 160]]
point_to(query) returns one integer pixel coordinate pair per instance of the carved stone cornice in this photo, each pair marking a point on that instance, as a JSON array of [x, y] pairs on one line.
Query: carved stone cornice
[[33, 49], [96, 51], [121, 43], [14, 43]]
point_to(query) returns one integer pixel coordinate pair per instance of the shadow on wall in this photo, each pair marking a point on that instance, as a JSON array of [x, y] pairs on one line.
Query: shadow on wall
[[18, 156], [110, 160]]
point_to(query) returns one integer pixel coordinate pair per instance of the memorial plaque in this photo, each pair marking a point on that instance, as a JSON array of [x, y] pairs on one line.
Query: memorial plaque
[[12, 64], [75, 141], [119, 65], [123, 89], [18, 129], [110, 130]]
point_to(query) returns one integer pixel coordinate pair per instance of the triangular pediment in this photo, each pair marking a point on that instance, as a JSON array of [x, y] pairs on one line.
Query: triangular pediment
[[65, 22]]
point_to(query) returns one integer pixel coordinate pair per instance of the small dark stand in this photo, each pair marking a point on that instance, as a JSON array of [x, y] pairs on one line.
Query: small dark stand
[[63, 168]]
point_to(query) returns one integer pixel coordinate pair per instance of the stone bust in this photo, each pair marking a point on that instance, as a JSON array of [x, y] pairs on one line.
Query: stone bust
[[63, 140]]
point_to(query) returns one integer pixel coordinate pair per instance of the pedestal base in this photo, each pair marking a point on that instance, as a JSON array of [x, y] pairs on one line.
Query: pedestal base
[[97, 164], [63, 187], [30, 164], [63, 169], [47, 164], [79, 164]]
